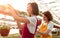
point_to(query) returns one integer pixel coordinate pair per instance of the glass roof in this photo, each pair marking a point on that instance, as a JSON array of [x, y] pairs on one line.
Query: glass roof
[[52, 5]]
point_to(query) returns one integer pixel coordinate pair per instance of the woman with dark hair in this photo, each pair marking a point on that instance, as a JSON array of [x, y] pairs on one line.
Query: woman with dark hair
[[30, 23], [46, 27]]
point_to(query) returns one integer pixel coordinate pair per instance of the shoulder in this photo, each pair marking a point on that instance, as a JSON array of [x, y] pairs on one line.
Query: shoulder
[[32, 20], [50, 24]]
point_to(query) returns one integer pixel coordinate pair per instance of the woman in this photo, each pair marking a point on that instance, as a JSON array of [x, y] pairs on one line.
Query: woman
[[46, 27], [31, 24]]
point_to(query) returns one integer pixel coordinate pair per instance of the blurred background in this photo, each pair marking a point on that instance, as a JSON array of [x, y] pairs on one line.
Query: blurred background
[[21, 6]]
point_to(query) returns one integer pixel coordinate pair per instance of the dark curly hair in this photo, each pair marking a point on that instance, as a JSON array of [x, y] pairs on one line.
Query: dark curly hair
[[48, 15]]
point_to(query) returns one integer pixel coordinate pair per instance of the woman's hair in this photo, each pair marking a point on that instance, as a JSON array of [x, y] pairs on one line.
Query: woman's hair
[[48, 15], [35, 9]]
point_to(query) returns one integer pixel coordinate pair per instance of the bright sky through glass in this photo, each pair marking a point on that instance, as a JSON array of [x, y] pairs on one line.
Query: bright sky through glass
[[53, 5]]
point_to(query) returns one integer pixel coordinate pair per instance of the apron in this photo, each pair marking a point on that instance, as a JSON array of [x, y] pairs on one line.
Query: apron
[[26, 33], [43, 28]]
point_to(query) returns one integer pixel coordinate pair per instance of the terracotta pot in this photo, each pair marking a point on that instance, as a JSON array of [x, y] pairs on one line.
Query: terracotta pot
[[5, 32]]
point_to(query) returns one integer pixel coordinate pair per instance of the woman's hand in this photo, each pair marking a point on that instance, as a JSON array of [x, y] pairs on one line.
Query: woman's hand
[[45, 33], [12, 10], [37, 32], [16, 17]]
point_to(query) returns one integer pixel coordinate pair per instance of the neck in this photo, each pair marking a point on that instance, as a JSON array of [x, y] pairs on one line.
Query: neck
[[33, 15], [46, 21]]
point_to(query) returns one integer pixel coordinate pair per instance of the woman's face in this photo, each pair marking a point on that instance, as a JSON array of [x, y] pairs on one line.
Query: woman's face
[[45, 18], [29, 9]]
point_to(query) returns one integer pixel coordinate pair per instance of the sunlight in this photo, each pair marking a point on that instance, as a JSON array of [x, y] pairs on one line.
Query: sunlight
[[2, 16], [20, 5], [17, 4]]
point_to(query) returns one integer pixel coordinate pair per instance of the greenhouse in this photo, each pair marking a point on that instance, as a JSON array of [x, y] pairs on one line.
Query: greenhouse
[[8, 21]]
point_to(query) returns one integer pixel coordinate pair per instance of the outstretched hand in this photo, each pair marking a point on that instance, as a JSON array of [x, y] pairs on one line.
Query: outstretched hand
[[4, 9], [12, 10]]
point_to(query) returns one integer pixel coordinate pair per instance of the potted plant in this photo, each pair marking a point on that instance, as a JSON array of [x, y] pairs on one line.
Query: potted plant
[[4, 30]]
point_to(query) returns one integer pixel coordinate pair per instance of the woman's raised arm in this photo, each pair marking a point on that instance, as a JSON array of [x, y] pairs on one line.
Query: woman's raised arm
[[16, 17]]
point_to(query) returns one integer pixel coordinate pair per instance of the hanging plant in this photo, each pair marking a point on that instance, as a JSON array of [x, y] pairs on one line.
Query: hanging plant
[[4, 30]]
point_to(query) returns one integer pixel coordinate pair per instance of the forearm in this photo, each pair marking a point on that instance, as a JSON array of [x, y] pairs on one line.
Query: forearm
[[22, 19], [17, 18], [55, 26], [43, 33], [18, 12], [19, 25]]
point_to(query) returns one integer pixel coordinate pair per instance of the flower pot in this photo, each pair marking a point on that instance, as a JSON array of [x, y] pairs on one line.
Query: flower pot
[[5, 32]]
